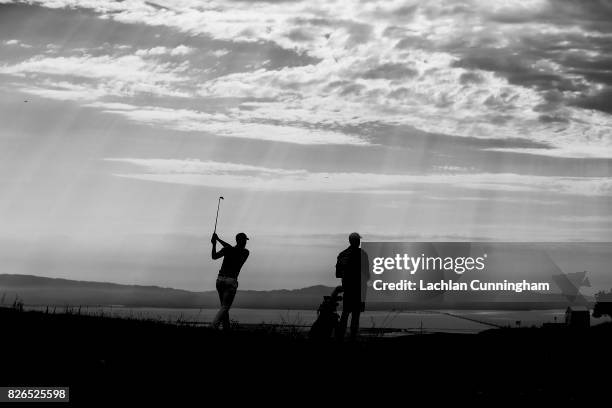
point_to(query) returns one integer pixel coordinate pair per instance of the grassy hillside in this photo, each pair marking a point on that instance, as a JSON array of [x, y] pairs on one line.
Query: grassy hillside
[[110, 359]]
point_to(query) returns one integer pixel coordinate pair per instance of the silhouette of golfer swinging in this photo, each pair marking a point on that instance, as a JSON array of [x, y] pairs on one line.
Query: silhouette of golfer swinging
[[227, 281]]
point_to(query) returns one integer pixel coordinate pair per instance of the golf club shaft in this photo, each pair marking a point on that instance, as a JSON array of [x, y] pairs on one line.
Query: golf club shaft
[[217, 216]]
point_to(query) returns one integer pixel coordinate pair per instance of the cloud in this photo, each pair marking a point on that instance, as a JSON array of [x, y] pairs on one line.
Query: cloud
[[179, 50], [223, 125], [518, 69], [132, 68], [15, 42], [258, 178], [597, 219], [390, 71], [68, 91], [219, 53], [437, 103], [128, 74], [600, 100]]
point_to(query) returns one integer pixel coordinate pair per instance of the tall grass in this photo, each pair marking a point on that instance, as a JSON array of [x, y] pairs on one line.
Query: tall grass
[[385, 324]]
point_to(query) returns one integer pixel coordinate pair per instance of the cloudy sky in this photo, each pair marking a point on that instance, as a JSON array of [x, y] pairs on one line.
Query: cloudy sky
[[122, 122]]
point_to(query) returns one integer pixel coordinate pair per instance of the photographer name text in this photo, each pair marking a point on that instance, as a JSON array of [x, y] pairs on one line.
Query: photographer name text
[[450, 285]]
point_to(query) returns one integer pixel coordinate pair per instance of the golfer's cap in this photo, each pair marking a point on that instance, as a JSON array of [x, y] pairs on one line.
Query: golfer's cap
[[241, 235], [354, 235]]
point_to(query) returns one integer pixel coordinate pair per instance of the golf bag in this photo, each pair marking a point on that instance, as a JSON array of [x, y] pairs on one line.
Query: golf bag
[[324, 327]]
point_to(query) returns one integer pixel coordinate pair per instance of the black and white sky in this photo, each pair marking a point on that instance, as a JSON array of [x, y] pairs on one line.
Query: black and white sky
[[123, 121]]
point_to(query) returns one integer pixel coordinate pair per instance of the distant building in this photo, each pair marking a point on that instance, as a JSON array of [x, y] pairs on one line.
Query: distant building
[[577, 317]]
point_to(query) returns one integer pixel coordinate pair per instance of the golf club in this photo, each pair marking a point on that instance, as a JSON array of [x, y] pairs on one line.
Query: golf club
[[217, 217]]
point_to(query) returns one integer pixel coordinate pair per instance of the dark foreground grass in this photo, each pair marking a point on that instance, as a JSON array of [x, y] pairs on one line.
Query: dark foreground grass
[[110, 360]]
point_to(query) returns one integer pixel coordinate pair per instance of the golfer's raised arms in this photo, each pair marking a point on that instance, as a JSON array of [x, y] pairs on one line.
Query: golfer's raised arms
[[216, 254], [222, 242]]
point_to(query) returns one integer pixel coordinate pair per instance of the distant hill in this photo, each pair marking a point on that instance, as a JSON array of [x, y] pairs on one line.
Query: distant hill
[[37, 290]]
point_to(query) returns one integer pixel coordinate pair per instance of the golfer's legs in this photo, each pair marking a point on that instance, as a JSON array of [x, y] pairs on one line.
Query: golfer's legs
[[342, 324], [226, 303], [220, 313], [220, 290], [227, 292]]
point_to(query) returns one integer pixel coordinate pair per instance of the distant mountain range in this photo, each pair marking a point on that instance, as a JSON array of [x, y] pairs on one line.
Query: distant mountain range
[[37, 290], [42, 291]]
